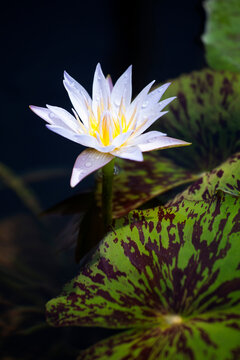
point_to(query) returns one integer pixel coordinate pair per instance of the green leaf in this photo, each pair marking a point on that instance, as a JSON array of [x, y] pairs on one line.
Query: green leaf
[[171, 274], [222, 34], [213, 336], [205, 113], [223, 179], [136, 183]]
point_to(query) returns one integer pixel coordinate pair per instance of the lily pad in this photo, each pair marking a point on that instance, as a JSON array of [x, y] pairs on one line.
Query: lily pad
[[136, 183], [222, 34], [207, 114], [171, 275], [223, 179]]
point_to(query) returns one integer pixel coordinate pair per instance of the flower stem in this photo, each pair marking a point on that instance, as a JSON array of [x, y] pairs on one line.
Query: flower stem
[[107, 183]]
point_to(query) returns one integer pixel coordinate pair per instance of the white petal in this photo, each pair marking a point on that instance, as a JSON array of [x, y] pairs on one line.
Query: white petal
[[145, 124], [165, 102], [121, 139], [153, 109], [153, 98], [139, 99], [82, 139], [78, 96], [122, 90], [109, 83], [130, 153], [74, 84], [42, 113], [64, 116], [100, 91], [104, 149], [160, 142], [144, 138], [86, 163], [87, 140], [56, 116], [143, 94], [155, 95], [68, 134]]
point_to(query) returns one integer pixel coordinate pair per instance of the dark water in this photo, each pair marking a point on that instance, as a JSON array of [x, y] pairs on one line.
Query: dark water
[[39, 40]]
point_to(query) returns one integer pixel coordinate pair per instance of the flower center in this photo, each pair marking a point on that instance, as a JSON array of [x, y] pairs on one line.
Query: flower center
[[173, 319], [108, 124]]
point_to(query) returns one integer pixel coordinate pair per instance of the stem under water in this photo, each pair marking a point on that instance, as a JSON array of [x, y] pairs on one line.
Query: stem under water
[[107, 184]]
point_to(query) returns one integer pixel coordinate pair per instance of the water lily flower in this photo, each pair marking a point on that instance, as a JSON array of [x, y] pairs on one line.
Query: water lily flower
[[109, 124]]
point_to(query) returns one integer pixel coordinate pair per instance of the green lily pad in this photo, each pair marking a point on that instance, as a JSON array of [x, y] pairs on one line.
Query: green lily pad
[[171, 275], [207, 114], [189, 340], [223, 179], [222, 34], [136, 183]]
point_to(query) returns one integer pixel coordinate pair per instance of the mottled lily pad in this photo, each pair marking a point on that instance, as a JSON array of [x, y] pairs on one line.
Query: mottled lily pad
[[207, 114], [171, 275], [223, 179], [136, 183], [222, 34]]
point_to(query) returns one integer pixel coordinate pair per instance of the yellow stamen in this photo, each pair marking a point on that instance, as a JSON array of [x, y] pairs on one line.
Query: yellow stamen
[[105, 126]]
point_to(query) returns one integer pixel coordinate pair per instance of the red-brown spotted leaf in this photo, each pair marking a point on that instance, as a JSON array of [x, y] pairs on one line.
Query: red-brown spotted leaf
[[212, 336], [205, 113], [223, 179], [171, 273], [136, 183]]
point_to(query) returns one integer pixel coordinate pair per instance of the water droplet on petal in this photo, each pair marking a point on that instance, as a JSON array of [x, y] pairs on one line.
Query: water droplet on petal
[[117, 102], [51, 115], [145, 103], [88, 164]]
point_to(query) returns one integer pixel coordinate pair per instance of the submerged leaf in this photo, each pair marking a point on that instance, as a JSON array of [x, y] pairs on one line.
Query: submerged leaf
[[171, 274], [24, 193]]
